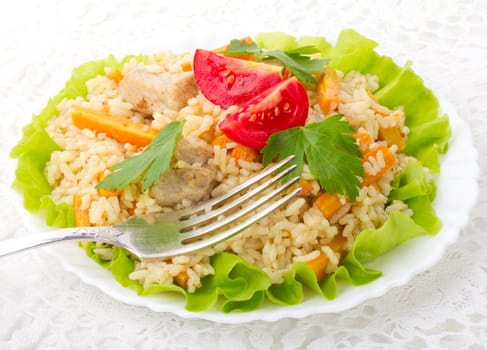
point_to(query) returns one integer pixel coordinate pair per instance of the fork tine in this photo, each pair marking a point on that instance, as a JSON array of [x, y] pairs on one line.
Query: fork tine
[[234, 203], [245, 210], [190, 247], [256, 178]]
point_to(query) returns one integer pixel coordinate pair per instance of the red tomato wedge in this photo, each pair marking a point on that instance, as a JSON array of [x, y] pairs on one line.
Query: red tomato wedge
[[228, 81], [278, 108]]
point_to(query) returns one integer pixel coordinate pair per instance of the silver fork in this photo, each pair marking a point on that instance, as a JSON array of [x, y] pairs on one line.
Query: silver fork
[[165, 235]]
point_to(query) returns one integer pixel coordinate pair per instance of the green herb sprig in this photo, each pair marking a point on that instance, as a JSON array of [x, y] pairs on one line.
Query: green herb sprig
[[297, 60], [328, 148], [147, 166]]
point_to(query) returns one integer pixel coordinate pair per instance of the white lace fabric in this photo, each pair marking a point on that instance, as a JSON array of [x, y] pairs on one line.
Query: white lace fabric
[[43, 306]]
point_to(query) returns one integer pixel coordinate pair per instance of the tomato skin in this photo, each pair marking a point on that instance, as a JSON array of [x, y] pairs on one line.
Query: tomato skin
[[228, 81], [278, 108]]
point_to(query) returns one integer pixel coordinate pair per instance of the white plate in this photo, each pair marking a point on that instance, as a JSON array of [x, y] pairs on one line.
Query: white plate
[[457, 184]]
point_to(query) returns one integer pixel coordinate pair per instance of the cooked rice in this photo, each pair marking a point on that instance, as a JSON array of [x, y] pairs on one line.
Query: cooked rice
[[297, 232]]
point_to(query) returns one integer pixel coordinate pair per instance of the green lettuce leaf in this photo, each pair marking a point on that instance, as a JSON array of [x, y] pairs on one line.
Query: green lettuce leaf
[[411, 183], [275, 41], [242, 285], [428, 140], [35, 147], [414, 188], [90, 252], [291, 291], [121, 265], [57, 215], [284, 42], [352, 51]]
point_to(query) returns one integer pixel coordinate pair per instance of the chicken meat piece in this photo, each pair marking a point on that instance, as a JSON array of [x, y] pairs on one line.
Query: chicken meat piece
[[193, 183], [191, 154], [155, 92]]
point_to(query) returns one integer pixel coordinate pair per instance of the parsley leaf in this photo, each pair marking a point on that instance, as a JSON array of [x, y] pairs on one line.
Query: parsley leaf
[[154, 160], [297, 60], [329, 150]]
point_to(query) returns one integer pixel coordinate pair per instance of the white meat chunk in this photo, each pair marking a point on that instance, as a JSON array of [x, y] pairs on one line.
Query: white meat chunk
[[193, 183], [155, 92], [191, 154]]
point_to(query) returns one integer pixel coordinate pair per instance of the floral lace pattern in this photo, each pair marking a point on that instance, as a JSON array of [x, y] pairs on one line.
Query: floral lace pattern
[[44, 307]]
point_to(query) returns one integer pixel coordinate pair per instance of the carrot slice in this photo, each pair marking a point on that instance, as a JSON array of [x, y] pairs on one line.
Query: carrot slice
[[118, 128], [181, 279], [328, 91], [115, 75], [364, 140], [389, 160], [239, 151], [306, 187], [328, 204], [245, 153], [186, 66], [103, 192], [221, 141], [320, 263], [81, 216], [392, 136]]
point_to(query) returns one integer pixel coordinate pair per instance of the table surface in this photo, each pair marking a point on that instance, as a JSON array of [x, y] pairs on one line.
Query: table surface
[[43, 307]]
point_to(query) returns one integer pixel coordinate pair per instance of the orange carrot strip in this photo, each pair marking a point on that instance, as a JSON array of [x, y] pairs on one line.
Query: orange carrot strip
[[392, 136], [181, 279], [221, 141], [131, 210], [364, 140], [245, 153], [186, 66], [306, 187], [81, 216], [389, 160], [320, 263], [103, 192], [328, 204], [115, 75], [208, 135], [328, 91], [119, 128], [239, 151]]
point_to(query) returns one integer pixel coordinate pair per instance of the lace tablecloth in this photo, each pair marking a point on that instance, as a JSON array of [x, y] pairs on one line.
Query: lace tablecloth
[[43, 307]]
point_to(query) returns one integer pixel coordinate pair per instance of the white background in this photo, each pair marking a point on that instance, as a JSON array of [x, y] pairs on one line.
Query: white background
[[44, 307]]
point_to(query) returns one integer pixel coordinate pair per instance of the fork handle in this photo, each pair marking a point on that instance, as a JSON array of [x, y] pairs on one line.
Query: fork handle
[[100, 234]]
